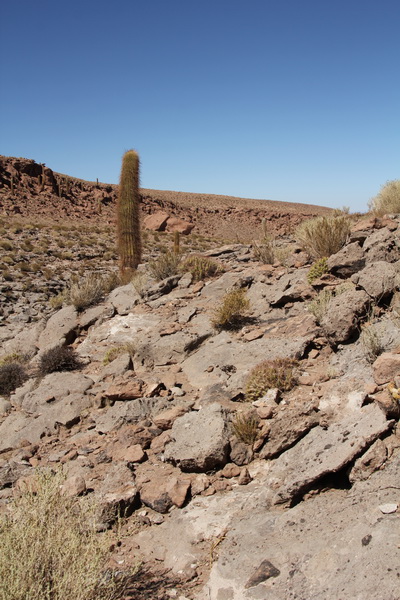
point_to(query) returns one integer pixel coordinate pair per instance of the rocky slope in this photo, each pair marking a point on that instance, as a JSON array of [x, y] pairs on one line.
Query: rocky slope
[[33, 190], [149, 424]]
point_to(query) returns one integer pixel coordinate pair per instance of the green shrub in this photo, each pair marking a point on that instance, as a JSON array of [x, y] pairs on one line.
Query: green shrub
[[317, 269], [387, 201], [278, 373], [166, 265], [50, 549], [323, 236], [12, 376], [59, 358], [245, 427], [201, 267], [232, 311]]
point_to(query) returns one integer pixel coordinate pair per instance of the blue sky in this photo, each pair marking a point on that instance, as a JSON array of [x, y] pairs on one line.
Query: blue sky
[[286, 100]]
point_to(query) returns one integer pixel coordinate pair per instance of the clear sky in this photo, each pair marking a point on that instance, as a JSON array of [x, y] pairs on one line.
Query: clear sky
[[293, 100]]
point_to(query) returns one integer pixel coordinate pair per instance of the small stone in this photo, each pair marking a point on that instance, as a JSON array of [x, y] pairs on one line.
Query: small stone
[[230, 470], [366, 540], [265, 412], [388, 509], [265, 571], [244, 477]]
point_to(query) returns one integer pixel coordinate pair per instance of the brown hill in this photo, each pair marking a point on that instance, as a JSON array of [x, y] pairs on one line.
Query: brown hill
[[33, 190]]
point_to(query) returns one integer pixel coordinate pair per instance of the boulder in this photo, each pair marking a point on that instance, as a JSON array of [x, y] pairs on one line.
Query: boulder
[[386, 367], [324, 451], [124, 298], [61, 328], [162, 486], [175, 224], [350, 259], [378, 279], [289, 425], [343, 313], [200, 440], [56, 387], [156, 221]]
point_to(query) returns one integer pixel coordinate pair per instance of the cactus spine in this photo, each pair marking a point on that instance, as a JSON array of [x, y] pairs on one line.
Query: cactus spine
[[128, 225]]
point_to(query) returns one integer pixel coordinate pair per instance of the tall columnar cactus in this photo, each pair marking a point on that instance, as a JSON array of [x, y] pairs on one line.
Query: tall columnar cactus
[[129, 242]]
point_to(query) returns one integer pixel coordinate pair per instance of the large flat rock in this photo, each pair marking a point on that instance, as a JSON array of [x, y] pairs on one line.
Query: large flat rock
[[200, 440], [325, 451]]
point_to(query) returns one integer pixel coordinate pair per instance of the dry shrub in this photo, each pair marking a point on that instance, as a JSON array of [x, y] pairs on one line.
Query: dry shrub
[[50, 549], [59, 358], [265, 250], [12, 376], [141, 283], [323, 236], [233, 310], [87, 292], [387, 201], [115, 351], [278, 373], [166, 265], [319, 306], [245, 427], [201, 267]]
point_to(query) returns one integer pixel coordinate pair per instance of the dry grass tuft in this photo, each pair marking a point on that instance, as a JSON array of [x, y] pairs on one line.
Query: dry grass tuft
[[278, 373], [233, 310], [201, 267], [166, 265], [245, 427]]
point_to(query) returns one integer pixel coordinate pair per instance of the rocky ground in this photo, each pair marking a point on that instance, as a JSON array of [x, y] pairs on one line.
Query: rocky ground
[[149, 424]]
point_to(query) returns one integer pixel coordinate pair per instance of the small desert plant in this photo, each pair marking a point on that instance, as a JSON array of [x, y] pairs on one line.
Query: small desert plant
[[323, 236], [265, 250], [140, 283], [278, 373], [87, 292], [232, 311], [245, 427], [6, 245], [12, 375], [201, 267], [166, 265], [372, 341], [387, 200], [115, 351], [59, 358], [319, 305], [129, 240], [13, 357], [319, 268], [50, 549], [57, 301]]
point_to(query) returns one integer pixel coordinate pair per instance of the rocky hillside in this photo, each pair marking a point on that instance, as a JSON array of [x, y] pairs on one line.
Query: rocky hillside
[[33, 190], [252, 458]]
